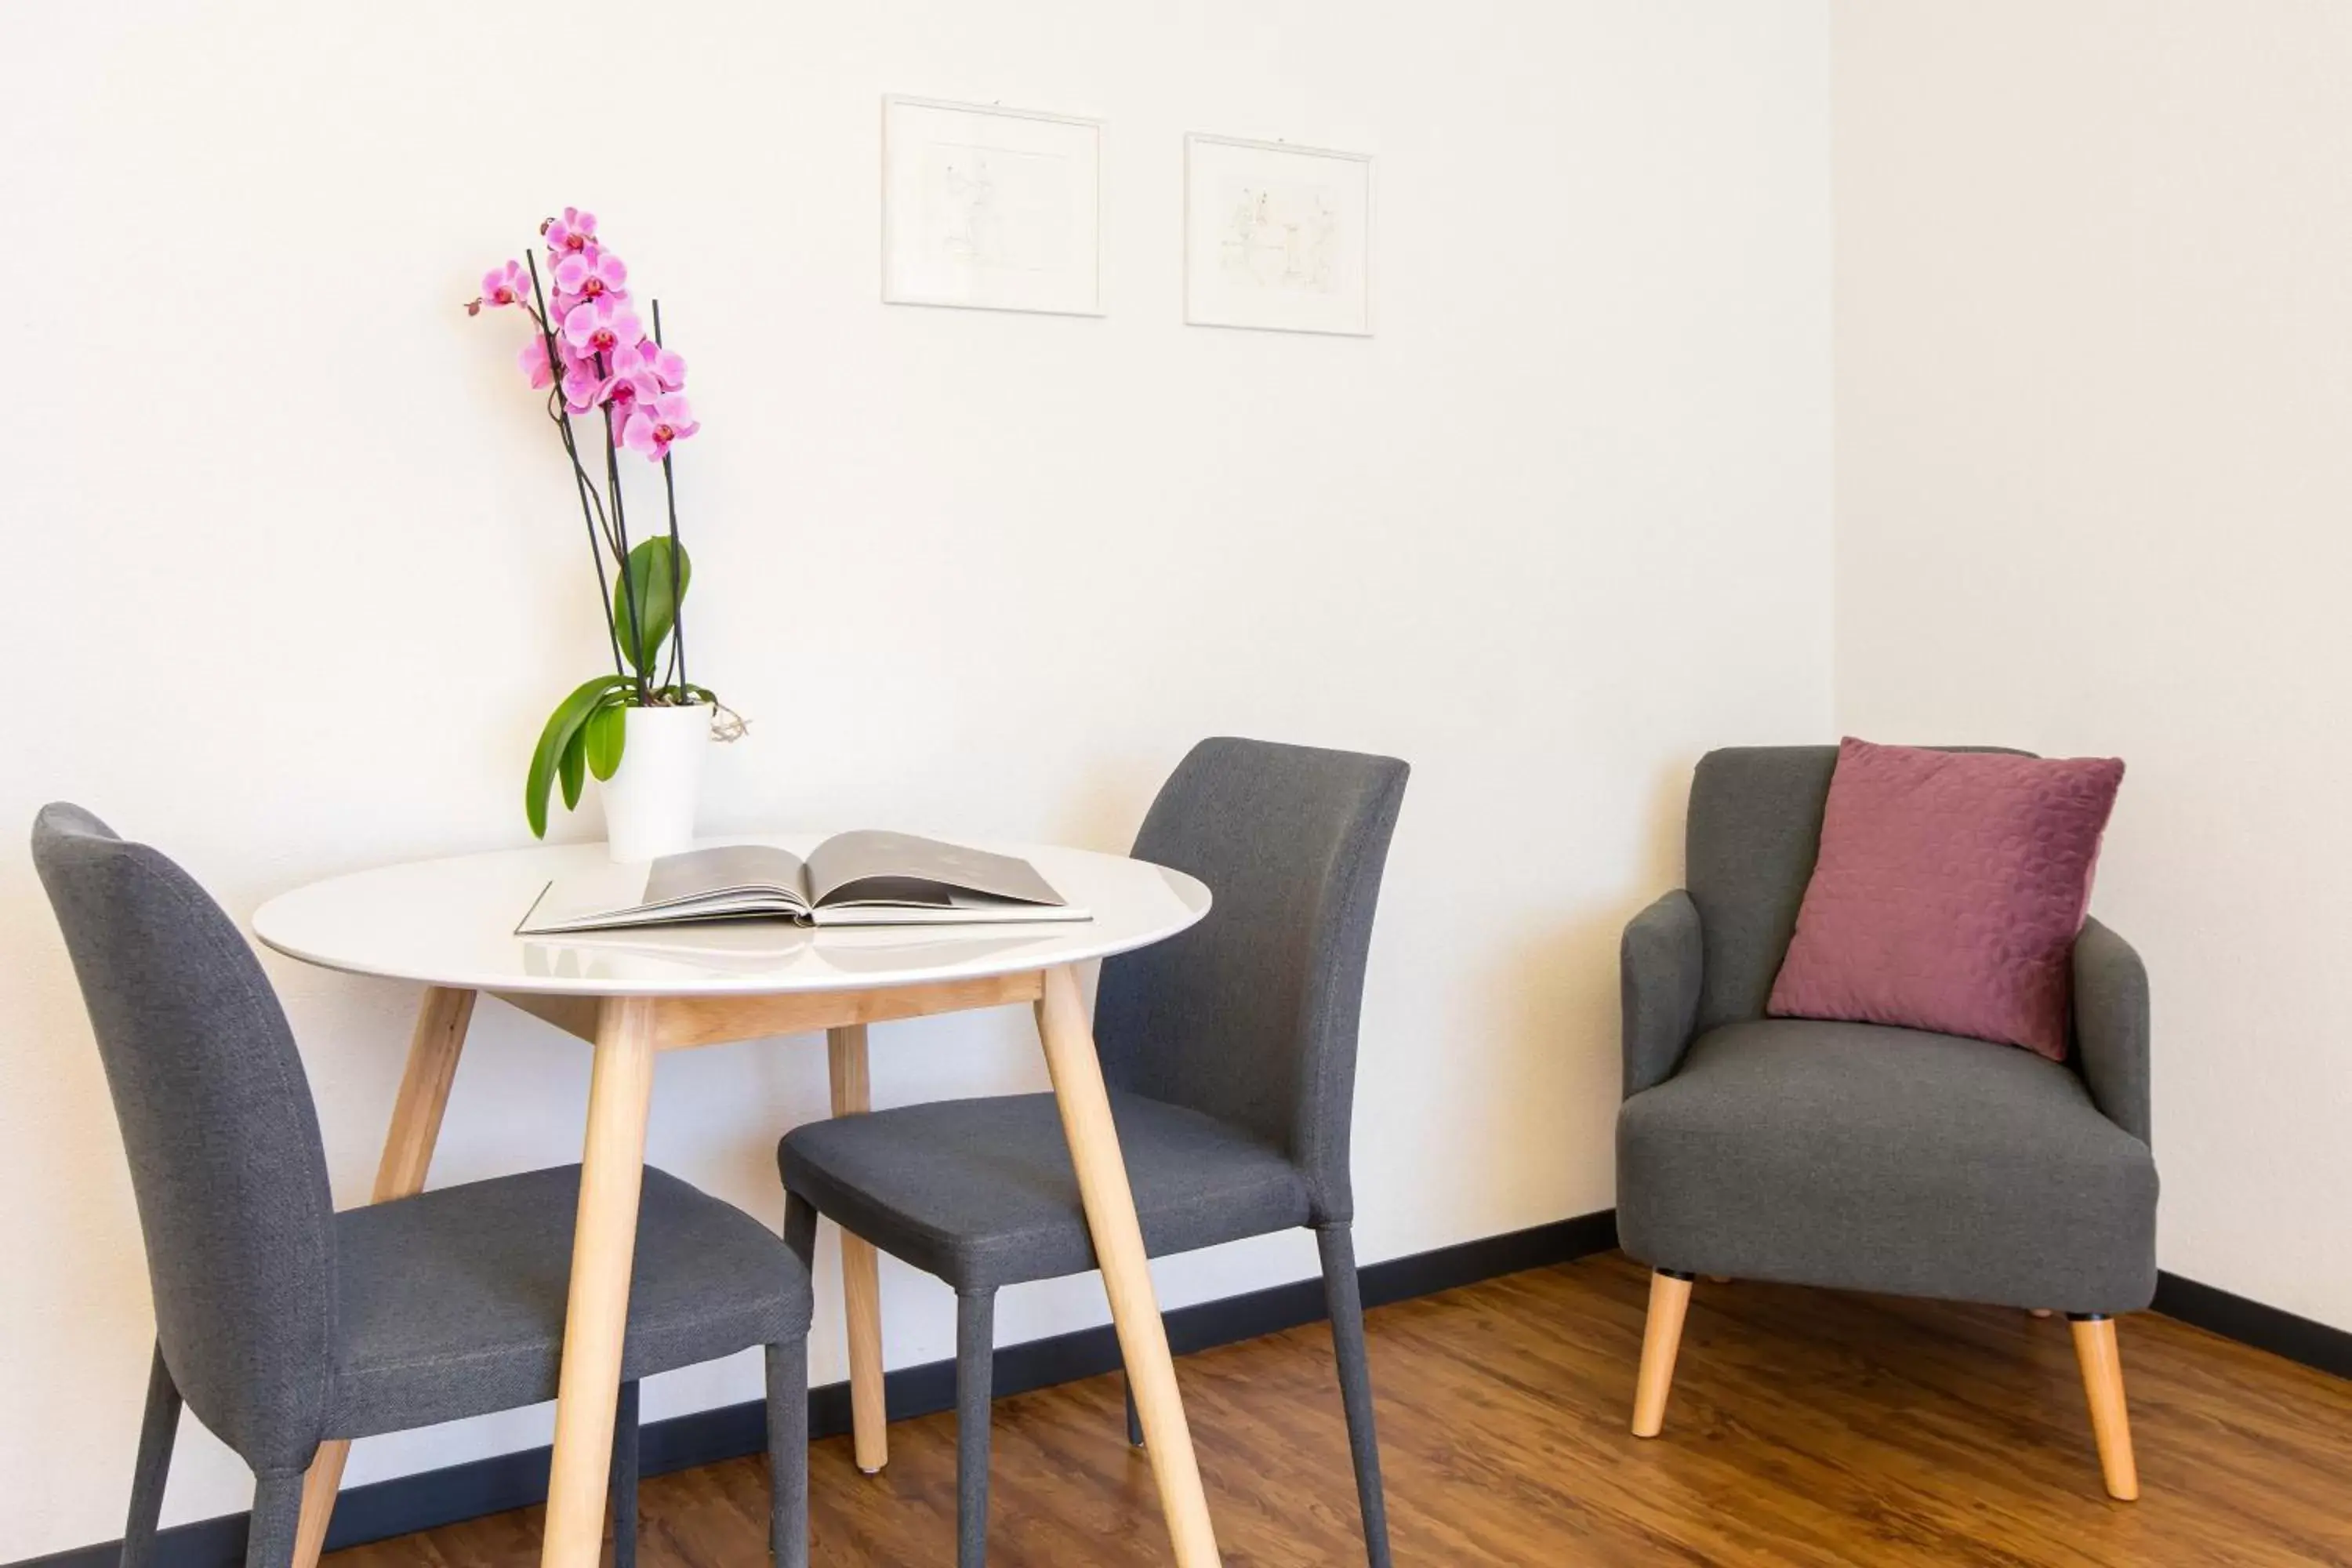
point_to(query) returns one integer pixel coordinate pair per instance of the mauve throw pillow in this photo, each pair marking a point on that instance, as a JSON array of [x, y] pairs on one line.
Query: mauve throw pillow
[[1948, 893]]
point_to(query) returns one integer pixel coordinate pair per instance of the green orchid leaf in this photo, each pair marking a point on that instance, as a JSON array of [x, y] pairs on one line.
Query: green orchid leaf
[[654, 594], [562, 725], [571, 770], [603, 735]]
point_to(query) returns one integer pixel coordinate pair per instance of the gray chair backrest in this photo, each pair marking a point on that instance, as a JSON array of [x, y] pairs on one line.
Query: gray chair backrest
[[1250, 1017], [223, 1140], [1754, 830]]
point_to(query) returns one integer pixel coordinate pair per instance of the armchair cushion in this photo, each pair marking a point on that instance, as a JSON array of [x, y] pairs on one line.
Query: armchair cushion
[[1948, 892], [1862, 1157]]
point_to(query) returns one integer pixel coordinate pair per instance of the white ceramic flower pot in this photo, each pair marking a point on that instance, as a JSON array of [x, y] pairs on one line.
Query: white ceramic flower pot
[[649, 801]]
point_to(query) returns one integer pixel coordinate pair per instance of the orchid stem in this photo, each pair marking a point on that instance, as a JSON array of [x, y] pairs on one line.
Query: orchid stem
[[621, 526], [572, 449], [676, 584]]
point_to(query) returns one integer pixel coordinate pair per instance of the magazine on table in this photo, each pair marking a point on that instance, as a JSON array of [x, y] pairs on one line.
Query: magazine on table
[[868, 878]]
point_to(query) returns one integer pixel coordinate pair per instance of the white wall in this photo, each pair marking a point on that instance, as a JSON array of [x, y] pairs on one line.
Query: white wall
[[2093, 381], [296, 574]]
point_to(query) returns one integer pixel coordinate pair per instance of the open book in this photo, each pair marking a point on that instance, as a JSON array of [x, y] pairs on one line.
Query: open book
[[864, 879]]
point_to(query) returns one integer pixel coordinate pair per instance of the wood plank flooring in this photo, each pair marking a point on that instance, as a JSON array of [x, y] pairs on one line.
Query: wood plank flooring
[[1805, 1427]]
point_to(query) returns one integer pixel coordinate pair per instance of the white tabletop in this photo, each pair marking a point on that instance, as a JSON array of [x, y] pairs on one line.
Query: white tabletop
[[451, 923]]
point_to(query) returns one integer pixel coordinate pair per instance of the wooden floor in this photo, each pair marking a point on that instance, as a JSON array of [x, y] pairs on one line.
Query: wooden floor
[[1806, 1428]]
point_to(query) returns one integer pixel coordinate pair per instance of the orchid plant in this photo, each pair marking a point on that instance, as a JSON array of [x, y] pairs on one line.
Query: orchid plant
[[590, 351]]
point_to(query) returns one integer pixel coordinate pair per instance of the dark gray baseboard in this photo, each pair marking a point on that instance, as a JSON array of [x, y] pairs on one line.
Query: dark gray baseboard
[[2251, 1323], [409, 1503]]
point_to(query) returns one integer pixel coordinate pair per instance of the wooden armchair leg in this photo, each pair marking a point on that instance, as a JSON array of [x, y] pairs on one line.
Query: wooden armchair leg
[[2103, 1384], [1669, 1300]]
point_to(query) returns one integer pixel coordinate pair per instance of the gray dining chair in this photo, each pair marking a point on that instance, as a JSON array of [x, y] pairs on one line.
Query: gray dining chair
[[282, 1323], [1230, 1052], [1861, 1157]]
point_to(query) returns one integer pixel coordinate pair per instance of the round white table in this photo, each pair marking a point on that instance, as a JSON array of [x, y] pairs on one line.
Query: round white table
[[449, 925]]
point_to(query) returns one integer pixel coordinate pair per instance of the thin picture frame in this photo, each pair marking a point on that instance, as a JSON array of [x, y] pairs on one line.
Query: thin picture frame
[[897, 287], [1198, 313]]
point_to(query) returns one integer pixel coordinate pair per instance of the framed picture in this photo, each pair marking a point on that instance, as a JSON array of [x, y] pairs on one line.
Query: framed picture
[[1278, 236], [995, 209]]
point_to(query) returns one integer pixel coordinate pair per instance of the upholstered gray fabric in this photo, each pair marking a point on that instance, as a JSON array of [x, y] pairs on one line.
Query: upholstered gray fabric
[[276, 1512], [621, 1479], [157, 1430], [452, 1301], [981, 1192], [1250, 1017], [1868, 1158], [225, 1162], [1343, 1300], [2111, 1027], [1660, 967], [1754, 828], [283, 1324], [788, 1439], [788, 1411], [975, 1390]]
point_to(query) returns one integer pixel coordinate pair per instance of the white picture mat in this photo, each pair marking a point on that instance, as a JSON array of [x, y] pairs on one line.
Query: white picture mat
[[1278, 236], [990, 208]]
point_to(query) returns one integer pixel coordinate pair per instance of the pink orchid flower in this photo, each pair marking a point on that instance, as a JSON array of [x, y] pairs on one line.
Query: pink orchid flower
[[501, 286], [575, 231], [653, 428], [581, 386], [633, 382], [533, 360], [593, 273], [506, 285], [667, 368], [602, 326]]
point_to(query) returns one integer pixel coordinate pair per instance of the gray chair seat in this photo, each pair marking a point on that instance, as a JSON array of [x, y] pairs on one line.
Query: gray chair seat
[[451, 1303], [981, 1193], [1860, 1157]]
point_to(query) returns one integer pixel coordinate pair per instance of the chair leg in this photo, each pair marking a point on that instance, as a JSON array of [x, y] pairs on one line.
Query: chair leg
[[156, 1432], [622, 1485], [1134, 1421], [975, 1371], [1337, 1243], [800, 1228], [788, 1440], [276, 1513], [1670, 1291], [788, 1416], [2103, 1384]]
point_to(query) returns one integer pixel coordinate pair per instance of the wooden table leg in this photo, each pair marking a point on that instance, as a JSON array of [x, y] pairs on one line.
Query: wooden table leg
[[433, 1052], [603, 1249], [861, 1270], [1118, 1246]]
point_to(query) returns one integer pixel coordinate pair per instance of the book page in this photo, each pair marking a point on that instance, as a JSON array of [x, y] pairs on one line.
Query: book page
[[727, 869], [727, 883], [872, 866]]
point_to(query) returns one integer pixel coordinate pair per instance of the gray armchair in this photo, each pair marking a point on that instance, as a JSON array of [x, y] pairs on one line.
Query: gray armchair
[[1860, 1157]]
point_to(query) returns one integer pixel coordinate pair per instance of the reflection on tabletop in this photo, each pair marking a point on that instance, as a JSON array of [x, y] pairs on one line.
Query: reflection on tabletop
[[751, 947]]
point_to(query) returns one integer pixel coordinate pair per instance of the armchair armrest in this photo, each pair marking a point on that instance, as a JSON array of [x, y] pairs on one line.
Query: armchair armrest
[[1660, 962], [2111, 1029]]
